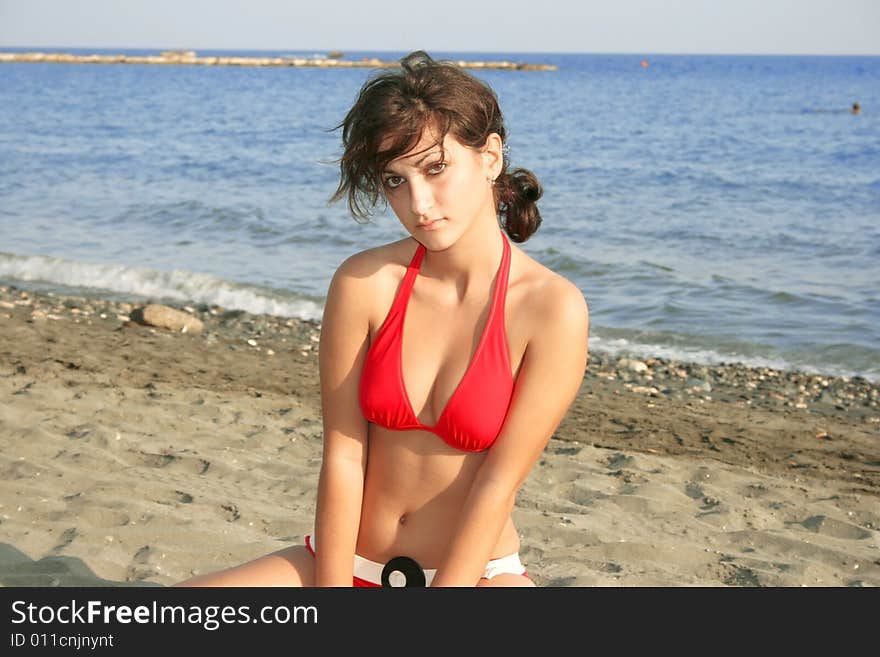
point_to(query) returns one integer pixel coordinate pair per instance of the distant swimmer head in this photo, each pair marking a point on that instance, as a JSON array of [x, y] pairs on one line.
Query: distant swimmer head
[[856, 108]]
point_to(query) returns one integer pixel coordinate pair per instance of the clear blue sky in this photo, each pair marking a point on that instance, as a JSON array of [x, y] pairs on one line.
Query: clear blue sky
[[621, 26]]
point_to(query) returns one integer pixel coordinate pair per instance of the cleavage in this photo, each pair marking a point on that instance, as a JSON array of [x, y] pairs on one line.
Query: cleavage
[[447, 376]]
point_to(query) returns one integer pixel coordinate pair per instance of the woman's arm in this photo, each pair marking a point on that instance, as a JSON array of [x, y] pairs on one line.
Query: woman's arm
[[343, 345], [548, 381]]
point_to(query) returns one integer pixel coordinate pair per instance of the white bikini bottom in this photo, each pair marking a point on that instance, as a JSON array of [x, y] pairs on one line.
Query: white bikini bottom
[[371, 571]]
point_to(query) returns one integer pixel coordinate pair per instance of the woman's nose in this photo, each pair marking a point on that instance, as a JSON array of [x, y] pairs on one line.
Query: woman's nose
[[421, 199]]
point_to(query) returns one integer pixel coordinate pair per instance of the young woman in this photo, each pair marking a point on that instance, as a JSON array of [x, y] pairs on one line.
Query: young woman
[[447, 358]]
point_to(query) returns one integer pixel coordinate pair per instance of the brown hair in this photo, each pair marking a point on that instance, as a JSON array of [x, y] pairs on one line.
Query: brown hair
[[387, 120]]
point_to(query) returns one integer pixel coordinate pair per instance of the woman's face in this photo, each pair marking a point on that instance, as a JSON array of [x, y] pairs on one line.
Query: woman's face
[[439, 193]]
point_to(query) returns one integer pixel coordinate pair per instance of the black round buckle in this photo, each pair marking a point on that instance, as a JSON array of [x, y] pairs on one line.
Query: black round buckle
[[403, 571]]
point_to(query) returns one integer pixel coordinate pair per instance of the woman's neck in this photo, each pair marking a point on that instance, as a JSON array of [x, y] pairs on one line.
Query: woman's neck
[[473, 259]]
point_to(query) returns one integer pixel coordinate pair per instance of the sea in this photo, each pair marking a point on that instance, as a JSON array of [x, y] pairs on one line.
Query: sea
[[712, 209]]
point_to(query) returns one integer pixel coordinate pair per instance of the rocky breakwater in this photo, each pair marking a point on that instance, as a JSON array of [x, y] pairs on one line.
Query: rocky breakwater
[[191, 58]]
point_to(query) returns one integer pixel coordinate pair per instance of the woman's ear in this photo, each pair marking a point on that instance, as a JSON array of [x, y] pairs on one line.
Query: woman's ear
[[493, 157]]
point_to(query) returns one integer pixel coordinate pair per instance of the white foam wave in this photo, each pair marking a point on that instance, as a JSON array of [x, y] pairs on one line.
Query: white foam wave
[[176, 285], [617, 346]]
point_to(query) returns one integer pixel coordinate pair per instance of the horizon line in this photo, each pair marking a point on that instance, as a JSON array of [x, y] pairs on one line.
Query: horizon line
[[634, 53]]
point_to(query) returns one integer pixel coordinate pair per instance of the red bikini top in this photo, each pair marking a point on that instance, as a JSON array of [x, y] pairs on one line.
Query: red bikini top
[[472, 418]]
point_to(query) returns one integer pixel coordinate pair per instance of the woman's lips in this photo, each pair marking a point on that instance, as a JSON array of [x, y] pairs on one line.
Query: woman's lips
[[430, 225]]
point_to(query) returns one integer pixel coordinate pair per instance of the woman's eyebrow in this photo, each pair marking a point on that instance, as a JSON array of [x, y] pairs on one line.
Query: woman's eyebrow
[[427, 155], [420, 160]]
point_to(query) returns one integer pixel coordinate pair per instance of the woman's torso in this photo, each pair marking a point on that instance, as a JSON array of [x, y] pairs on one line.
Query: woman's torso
[[416, 484]]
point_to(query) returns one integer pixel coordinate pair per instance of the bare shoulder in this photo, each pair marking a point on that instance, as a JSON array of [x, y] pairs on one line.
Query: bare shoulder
[[549, 298], [376, 260], [370, 270], [561, 300], [365, 282]]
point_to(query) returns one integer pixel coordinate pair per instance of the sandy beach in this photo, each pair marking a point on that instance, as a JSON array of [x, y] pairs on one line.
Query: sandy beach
[[138, 456]]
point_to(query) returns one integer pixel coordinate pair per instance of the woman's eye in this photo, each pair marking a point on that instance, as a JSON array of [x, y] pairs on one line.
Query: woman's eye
[[392, 182], [436, 168]]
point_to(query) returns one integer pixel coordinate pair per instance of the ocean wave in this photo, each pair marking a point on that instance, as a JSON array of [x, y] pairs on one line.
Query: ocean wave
[[613, 345], [144, 283]]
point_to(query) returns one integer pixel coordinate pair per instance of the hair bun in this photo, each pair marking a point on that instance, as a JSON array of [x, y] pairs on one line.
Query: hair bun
[[527, 185], [518, 196], [416, 60]]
